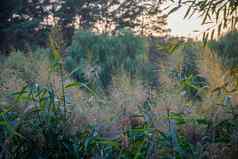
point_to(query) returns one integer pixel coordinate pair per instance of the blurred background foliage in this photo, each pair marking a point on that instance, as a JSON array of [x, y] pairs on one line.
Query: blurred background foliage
[[96, 58]]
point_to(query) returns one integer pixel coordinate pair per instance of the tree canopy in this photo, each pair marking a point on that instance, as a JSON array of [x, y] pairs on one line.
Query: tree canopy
[[25, 21]]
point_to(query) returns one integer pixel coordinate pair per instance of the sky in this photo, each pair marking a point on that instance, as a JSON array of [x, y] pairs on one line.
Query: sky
[[184, 27]]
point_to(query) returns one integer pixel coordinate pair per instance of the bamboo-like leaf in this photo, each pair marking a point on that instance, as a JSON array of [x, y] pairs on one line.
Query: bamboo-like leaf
[[212, 34], [72, 85], [74, 71], [189, 10], [219, 29], [174, 9]]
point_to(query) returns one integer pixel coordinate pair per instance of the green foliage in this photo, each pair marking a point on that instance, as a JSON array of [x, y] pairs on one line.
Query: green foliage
[[95, 58], [170, 45], [22, 23], [42, 122], [189, 65], [187, 71], [42, 131], [226, 49]]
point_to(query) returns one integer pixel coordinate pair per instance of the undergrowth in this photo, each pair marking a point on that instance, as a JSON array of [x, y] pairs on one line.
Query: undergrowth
[[191, 115]]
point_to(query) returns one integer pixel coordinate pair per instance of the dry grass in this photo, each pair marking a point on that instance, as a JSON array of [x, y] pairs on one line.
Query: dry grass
[[219, 79], [19, 69], [211, 69], [124, 95]]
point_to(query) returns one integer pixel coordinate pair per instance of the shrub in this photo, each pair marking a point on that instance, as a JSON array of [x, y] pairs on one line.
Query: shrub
[[95, 58]]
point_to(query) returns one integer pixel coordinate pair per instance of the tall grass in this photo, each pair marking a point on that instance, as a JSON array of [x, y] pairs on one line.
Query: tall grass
[[61, 117]]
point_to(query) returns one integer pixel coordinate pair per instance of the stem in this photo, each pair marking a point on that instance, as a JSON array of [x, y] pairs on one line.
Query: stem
[[62, 85], [170, 132]]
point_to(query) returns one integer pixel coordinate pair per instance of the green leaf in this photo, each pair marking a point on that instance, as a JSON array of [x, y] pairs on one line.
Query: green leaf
[[104, 141], [72, 85]]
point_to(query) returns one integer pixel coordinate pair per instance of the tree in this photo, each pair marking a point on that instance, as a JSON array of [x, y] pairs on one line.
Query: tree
[[80, 13], [114, 14], [29, 21], [153, 25], [142, 16], [22, 21]]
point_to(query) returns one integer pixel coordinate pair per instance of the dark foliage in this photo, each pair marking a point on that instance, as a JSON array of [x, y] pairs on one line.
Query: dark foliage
[[226, 49], [94, 59], [29, 21]]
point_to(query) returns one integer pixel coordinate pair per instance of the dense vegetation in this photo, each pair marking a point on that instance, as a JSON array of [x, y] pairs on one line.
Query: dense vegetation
[[101, 79], [51, 112], [104, 55]]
